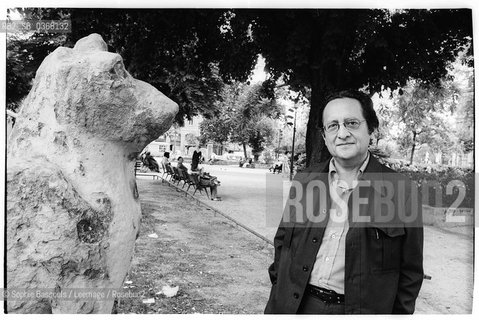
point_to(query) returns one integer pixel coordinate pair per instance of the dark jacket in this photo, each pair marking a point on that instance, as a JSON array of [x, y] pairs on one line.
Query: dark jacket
[[384, 247], [195, 160]]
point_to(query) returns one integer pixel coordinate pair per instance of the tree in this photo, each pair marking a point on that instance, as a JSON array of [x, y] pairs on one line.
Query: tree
[[434, 119], [326, 50], [422, 111], [191, 139], [261, 134], [385, 114], [248, 118], [244, 118], [26, 51], [216, 130], [182, 52], [186, 52], [462, 74]]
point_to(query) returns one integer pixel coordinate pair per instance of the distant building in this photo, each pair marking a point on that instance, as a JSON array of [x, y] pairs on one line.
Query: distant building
[[177, 140], [180, 141]]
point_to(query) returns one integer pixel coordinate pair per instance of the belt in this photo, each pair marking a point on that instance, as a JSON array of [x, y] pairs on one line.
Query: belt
[[328, 296]]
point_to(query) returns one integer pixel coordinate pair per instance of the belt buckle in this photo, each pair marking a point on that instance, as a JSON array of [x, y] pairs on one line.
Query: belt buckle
[[326, 296]]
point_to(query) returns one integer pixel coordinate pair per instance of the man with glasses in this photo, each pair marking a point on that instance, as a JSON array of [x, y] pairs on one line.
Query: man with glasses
[[351, 236]]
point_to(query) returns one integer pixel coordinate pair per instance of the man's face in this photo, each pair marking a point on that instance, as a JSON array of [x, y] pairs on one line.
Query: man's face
[[349, 146]]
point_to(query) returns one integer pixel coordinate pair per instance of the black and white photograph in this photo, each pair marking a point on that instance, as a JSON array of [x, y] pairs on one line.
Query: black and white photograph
[[238, 158]]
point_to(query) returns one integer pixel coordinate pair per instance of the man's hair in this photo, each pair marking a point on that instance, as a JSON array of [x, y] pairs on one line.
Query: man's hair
[[180, 158], [366, 106], [166, 154]]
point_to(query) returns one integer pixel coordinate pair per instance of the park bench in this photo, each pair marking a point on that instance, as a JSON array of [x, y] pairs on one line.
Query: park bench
[[276, 168], [195, 178], [166, 173], [138, 165], [188, 180], [173, 176], [178, 176], [185, 177]]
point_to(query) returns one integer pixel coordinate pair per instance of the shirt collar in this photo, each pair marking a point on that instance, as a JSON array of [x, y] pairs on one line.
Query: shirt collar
[[333, 171]]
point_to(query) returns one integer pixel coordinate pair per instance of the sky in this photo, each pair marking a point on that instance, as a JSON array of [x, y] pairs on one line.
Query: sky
[[258, 73]]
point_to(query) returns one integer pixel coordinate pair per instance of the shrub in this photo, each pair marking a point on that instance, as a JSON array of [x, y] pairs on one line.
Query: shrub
[[434, 180]]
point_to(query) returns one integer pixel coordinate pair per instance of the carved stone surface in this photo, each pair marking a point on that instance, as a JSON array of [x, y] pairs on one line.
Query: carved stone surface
[[73, 211]]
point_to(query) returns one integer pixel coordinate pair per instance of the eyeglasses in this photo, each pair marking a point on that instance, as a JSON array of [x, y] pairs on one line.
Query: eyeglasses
[[350, 124]]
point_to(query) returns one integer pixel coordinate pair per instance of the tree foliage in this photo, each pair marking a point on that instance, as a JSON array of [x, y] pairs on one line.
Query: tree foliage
[[436, 119], [182, 52], [248, 118], [214, 130], [462, 73], [188, 53], [25, 52], [324, 50], [185, 53], [261, 135], [244, 117], [419, 110]]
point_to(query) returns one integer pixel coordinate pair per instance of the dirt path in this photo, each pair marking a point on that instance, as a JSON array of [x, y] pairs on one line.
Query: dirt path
[[218, 267], [221, 268], [448, 259]]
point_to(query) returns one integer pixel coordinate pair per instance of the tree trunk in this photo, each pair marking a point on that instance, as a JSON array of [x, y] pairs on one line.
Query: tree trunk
[[244, 150], [328, 63], [314, 139], [414, 133], [326, 77]]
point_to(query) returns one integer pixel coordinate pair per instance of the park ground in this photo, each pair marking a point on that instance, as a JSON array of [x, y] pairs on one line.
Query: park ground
[[220, 267]]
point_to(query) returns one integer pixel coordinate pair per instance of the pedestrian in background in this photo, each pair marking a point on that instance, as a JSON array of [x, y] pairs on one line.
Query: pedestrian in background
[[196, 158], [285, 164]]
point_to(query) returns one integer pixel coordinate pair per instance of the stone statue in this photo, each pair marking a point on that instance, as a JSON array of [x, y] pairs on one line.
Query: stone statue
[[73, 211]]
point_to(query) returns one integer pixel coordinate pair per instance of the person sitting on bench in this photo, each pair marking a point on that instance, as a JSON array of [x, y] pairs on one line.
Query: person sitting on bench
[[150, 162], [180, 165], [210, 181], [277, 166]]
